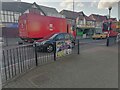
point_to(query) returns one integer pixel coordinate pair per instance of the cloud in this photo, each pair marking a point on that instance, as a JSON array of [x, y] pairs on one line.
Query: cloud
[[103, 4], [79, 4], [93, 3], [8, 0], [68, 4]]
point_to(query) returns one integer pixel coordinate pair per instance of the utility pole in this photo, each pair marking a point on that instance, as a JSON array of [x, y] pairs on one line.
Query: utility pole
[[74, 19], [73, 14], [73, 5], [107, 44]]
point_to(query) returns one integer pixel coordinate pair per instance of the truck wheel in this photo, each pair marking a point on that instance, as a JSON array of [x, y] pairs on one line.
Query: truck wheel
[[50, 48]]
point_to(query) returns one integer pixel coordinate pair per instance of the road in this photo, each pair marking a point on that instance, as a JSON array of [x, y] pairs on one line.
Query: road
[[28, 50], [27, 53]]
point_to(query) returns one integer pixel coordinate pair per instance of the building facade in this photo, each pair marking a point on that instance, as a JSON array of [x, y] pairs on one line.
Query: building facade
[[71, 16], [98, 19], [83, 24]]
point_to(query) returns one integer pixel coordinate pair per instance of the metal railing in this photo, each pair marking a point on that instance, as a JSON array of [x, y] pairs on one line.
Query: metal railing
[[20, 59], [17, 60]]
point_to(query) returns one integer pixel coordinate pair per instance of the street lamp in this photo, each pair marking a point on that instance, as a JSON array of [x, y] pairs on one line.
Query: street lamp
[[74, 20], [110, 8], [73, 15]]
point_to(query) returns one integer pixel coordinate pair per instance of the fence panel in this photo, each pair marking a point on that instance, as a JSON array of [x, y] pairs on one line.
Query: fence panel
[[43, 56], [17, 60], [22, 58]]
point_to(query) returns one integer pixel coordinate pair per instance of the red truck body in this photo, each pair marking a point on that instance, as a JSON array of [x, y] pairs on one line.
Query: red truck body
[[35, 26], [112, 31]]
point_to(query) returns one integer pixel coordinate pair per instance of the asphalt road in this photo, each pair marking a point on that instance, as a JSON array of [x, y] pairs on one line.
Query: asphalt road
[[27, 53], [81, 40], [18, 53]]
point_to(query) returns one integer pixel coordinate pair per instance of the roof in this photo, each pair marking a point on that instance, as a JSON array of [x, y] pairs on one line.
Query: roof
[[48, 10], [113, 19], [97, 17], [23, 6], [70, 14], [15, 6], [88, 18]]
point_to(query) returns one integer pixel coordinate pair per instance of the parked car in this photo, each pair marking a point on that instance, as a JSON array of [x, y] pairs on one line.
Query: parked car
[[99, 36], [47, 43]]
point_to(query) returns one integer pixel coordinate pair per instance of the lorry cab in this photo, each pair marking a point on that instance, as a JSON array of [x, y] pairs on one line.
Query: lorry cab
[[109, 28]]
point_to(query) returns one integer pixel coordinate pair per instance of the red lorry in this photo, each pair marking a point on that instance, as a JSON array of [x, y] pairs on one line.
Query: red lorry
[[109, 26], [35, 26]]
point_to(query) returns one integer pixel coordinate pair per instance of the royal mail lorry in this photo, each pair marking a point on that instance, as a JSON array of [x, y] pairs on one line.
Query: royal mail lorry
[[35, 26]]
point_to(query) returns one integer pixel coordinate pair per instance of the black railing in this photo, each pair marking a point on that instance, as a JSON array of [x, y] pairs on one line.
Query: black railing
[[17, 60], [20, 59]]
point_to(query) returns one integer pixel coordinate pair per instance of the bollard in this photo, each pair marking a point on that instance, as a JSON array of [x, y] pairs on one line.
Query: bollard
[[107, 43], [54, 51], [36, 59], [78, 47]]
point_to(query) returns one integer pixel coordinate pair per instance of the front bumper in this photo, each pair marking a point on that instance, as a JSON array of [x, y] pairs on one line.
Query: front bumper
[[41, 48]]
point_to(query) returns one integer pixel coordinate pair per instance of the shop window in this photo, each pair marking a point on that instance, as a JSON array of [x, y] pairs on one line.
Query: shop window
[[12, 18], [9, 18], [16, 16], [5, 18], [4, 12], [2, 18]]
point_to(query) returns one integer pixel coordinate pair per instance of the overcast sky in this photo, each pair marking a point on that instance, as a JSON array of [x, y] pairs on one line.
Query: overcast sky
[[87, 6]]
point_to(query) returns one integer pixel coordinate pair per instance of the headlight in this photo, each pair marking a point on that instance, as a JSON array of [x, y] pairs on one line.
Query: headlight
[[38, 43]]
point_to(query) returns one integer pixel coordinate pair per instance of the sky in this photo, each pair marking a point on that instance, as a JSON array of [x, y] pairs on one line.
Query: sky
[[87, 6]]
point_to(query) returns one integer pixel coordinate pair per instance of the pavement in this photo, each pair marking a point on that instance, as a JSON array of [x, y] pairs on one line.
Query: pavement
[[95, 67]]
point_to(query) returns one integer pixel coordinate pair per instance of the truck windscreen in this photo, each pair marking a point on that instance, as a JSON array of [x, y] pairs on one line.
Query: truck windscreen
[[106, 26]]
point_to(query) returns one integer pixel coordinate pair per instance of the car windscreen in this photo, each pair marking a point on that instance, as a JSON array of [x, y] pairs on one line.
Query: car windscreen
[[49, 36], [53, 36]]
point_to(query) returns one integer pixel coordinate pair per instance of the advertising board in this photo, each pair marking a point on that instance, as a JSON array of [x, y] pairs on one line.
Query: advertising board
[[63, 48]]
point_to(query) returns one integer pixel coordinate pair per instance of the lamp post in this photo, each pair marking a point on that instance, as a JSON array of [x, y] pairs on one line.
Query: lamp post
[[74, 20], [110, 8], [73, 15]]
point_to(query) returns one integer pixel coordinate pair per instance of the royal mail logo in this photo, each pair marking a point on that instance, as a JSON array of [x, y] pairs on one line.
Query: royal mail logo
[[51, 27]]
